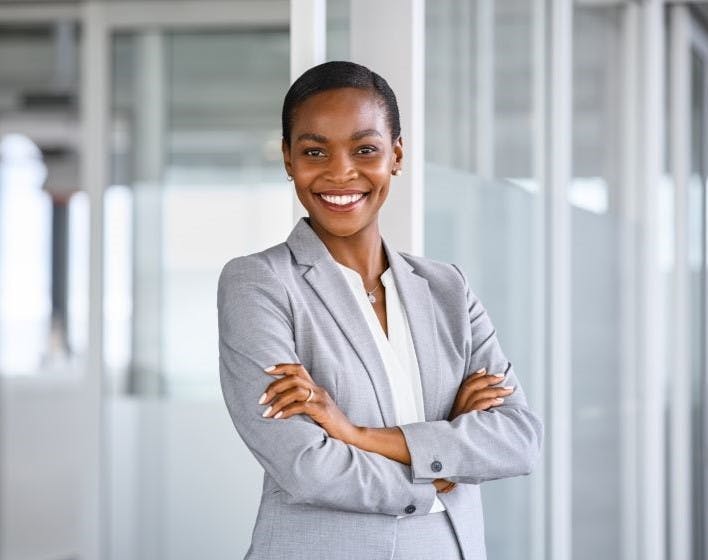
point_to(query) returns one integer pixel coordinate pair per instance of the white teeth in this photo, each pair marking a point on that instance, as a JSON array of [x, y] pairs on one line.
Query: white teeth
[[342, 200]]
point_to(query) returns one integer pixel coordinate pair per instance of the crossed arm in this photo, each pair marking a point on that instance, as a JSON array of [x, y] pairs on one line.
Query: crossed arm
[[296, 393], [317, 457]]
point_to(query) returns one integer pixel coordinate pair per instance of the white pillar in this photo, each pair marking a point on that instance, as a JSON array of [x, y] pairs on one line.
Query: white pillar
[[680, 386], [94, 175], [559, 165], [308, 42], [392, 45], [651, 359]]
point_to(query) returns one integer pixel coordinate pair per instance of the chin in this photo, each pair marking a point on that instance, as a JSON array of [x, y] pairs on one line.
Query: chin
[[339, 227]]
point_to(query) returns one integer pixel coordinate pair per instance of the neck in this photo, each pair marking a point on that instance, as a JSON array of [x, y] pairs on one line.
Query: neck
[[362, 251]]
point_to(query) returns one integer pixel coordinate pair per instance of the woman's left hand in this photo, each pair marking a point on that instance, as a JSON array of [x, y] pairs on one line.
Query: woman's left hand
[[297, 393]]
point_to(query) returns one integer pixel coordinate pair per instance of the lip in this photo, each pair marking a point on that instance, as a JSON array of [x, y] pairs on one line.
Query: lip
[[335, 207]]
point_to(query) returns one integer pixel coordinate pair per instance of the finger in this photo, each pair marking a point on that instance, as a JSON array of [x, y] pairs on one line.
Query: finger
[[289, 369], [282, 369], [469, 388], [281, 385], [297, 407], [478, 373], [486, 404], [485, 394], [491, 392], [295, 394]]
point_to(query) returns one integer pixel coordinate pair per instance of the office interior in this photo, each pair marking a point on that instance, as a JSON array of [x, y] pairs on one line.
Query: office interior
[[557, 151]]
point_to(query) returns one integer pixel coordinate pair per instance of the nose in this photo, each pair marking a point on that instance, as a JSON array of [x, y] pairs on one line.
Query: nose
[[341, 168]]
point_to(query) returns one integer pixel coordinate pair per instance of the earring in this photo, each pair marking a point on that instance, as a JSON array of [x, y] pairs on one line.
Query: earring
[[397, 172], [290, 177]]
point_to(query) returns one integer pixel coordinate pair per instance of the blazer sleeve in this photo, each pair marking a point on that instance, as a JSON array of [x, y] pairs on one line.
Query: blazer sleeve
[[477, 446], [256, 331]]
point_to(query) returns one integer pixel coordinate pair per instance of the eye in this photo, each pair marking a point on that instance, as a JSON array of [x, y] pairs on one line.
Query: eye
[[313, 152], [366, 150]]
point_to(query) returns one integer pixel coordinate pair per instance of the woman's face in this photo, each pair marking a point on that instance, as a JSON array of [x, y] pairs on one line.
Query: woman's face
[[341, 159]]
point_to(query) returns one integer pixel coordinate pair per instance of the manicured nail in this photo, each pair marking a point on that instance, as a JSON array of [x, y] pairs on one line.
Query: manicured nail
[[499, 375], [511, 388], [262, 399], [271, 368], [266, 412], [500, 400], [280, 413], [483, 370]]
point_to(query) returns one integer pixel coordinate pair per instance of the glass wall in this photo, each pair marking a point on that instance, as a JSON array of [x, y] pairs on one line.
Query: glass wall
[[197, 165], [596, 198], [43, 291], [697, 254], [482, 206], [197, 179]]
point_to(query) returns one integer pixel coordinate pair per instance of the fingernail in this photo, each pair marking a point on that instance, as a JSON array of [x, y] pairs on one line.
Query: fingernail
[[262, 399], [280, 413], [499, 375], [483, 370], [266, 412], [271, 368], [500, 400], [511, 388]]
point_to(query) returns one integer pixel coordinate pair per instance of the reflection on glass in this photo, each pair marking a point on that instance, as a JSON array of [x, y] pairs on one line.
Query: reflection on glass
[[25, 257], [697, 232], [596, 284], [481, 207], [197, 144]]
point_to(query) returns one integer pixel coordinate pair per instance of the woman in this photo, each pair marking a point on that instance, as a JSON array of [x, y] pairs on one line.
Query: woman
[[368, 383]]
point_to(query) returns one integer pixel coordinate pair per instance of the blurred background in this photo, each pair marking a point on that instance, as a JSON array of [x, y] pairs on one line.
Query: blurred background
[[557, 151]]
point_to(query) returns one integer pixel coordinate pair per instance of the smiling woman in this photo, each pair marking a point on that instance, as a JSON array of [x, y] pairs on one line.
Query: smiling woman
[[368, 383]]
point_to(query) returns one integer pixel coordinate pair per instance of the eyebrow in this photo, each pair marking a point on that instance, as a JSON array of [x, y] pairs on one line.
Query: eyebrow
[[323, 139]]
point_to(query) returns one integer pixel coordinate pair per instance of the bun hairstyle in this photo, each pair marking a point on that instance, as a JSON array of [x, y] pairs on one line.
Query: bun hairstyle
[[335, 75]]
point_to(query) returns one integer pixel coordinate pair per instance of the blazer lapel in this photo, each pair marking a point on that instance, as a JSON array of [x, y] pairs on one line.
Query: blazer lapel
[[330, 285], [415, 295]]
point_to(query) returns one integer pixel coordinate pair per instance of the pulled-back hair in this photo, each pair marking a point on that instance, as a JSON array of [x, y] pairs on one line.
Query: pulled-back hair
[[334, 75]]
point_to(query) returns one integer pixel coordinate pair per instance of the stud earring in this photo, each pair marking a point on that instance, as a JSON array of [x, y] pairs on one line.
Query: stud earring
[[290, 177], [397, 172]]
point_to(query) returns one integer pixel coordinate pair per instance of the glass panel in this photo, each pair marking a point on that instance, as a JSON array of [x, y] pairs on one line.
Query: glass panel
[[338, 30], [197, 165], [197, 179], [482, 209], [601, 262], [43, 293], [697, 296]]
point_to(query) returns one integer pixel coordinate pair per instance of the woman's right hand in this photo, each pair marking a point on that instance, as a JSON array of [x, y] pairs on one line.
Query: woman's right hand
[[477, 392]]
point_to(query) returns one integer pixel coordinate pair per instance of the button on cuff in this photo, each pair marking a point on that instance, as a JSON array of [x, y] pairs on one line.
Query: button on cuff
[[436, 466], [410, 509]]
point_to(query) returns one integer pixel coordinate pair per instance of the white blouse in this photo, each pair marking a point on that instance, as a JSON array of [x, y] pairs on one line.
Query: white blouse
[[397, 351]]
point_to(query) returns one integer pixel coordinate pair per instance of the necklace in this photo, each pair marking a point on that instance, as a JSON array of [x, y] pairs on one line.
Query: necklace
[[370, 294]]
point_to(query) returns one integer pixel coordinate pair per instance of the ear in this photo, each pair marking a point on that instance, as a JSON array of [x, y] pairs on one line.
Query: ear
[[398, 153], [285, 148]]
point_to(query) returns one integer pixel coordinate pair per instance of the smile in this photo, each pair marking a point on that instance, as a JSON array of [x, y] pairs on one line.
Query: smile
[[342, 200]]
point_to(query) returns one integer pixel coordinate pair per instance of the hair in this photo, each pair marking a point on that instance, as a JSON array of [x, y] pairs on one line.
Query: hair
[[335, 75]]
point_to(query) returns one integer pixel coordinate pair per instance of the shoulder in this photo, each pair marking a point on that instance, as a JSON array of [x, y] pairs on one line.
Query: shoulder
[[255, 273], [256, 266]]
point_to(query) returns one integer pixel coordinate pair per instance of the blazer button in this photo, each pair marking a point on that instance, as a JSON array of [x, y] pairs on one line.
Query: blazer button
[[410, 508], [436, 466]]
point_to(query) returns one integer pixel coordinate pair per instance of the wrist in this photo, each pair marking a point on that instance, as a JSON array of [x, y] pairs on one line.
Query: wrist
[[357, 436]]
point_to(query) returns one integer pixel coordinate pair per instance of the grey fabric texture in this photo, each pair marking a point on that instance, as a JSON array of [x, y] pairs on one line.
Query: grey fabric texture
[[440, 542], [323, 498]]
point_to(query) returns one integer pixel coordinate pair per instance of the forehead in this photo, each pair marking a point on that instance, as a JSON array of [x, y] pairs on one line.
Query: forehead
[[340, 112]]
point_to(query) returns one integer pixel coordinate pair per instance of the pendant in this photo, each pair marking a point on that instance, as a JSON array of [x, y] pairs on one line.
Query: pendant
[[372, 298]]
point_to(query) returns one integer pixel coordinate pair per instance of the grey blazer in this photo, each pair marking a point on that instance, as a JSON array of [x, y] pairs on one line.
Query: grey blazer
[[322, 498]]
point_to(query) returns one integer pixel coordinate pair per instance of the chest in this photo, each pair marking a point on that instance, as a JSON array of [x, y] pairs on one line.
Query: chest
[[335, 344]]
